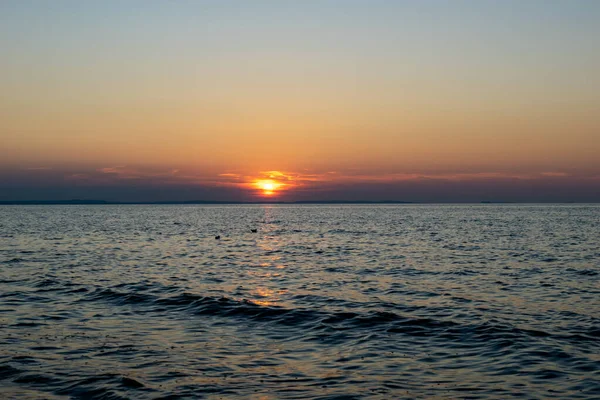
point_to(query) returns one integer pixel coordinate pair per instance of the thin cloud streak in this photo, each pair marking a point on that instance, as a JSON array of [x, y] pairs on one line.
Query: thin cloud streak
[[38, 168]]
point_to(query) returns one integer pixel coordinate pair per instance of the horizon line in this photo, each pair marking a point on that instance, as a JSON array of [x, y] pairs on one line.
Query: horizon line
[[217, 202]]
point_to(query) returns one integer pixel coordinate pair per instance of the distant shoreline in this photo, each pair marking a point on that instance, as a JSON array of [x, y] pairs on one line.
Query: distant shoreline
[[203, 202], [199, 202]]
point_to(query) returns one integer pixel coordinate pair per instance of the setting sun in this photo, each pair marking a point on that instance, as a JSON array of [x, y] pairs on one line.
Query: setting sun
[[267, 186]]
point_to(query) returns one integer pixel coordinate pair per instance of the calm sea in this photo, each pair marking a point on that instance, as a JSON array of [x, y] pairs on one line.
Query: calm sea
[[328, 302]]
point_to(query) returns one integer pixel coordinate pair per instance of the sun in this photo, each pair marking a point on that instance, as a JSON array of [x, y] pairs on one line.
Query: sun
[[267, 187]]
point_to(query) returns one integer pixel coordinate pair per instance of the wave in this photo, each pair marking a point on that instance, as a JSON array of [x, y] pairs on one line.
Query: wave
[[314, 319]]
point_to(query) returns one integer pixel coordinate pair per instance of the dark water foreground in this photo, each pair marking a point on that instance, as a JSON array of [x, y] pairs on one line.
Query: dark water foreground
[[329, 302]]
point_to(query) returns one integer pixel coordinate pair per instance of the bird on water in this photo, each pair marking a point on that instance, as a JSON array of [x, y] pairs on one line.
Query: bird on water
[[218, 237], [253, 230]]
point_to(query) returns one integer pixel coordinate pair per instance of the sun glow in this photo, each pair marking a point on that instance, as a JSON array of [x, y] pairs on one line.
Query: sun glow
[[268, 187]]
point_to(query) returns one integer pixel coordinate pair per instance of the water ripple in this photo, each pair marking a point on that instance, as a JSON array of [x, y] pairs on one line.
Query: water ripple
[[325, 302]]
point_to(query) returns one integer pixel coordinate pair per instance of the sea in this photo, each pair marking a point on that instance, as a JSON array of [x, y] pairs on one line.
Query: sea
[[481, 301]]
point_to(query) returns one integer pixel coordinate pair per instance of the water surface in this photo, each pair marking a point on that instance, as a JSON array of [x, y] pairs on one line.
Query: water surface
[[330, 302]]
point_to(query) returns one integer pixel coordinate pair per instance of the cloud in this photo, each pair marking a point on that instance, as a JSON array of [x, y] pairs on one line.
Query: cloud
[[554, 174], [128, 173], [112, 170], [229, 176], [129, 182], [38, 168]]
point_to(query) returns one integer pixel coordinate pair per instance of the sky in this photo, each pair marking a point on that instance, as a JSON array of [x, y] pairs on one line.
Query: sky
[[435, 101]]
